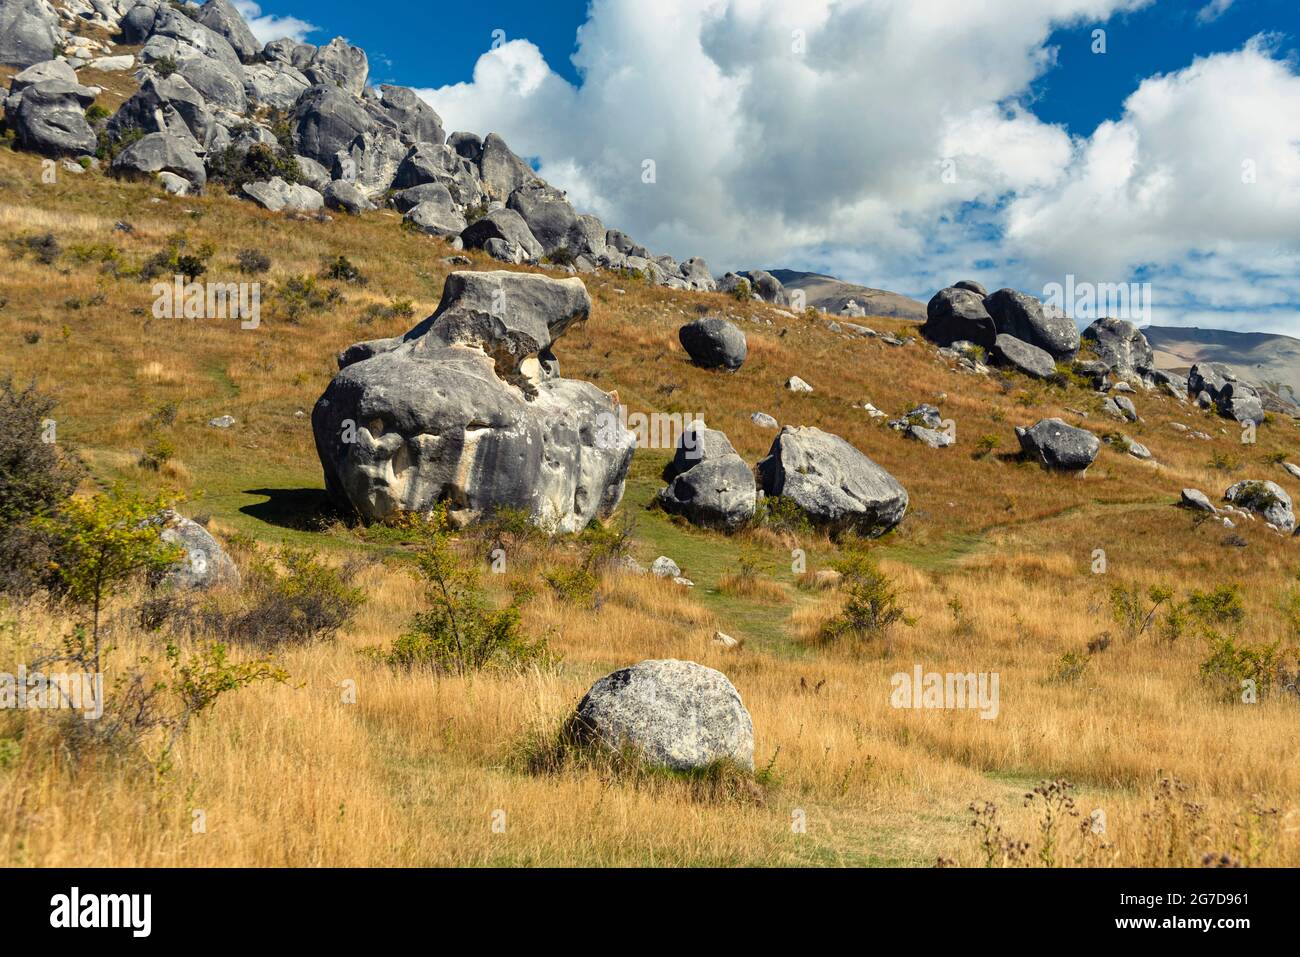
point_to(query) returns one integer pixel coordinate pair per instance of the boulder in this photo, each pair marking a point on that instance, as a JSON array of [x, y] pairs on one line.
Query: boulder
[[341, 65], [796, 384], [709, 484], [277, 85], [502, 224], [431, 163], [51, 118], [169, 105], [501, 171], [326, 120], [1266, 499], [1122, 347], [415, 119], [1024, 317], [971, 285], [468, 146], [205, 563], [1058, 446], [836, 485], [550, 217], [714, 343], [221, 17], [468, 408], [277, 195], [436, 218], [1120, 407], [312, 173], [371, 161], [665, 567], [764, 421], [1032, 361], [175, 36], [958, 315], [1197, 501], [346, 197], [405, 200], [29, 29], [767, 287], [218, 83], [1216, 386], [159, 152], [677, 714], [695, 271]]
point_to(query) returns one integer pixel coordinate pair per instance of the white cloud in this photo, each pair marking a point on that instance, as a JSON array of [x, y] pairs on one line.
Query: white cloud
[[269, 27], [1212, 11], [893, 142]]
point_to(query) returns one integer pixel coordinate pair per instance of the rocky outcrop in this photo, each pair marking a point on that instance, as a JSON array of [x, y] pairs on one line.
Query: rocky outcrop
[[29, 29], [714, 343], [277, 195], [837, 486], [1122, 347], [675, 714], [162, 152], [469, 408], [47, 109], [1034, 362], [1059, 447], [1266, 499], [709, 483], [958, 315], [1231, 398], [1022, 316]]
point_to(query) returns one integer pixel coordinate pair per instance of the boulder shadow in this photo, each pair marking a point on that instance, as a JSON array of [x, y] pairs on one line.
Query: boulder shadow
[[300, 509]]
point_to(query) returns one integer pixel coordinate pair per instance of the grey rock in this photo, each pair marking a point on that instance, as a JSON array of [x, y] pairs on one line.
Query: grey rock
[[405, 200], [277, 85], [501, 170], [1197, 501], [767, 287], [677, 714], [764, 421], [1121, 407], [218, 83], [277, 195], [222, 422], [709, 483], [1058, 446], [972, 286], [29, 30], [468, 408], [339, 64], [1121, 346], [159, 152], [550, 217], [168, 105], [436, 218], [714, 343], [930, 437], [1292, 469], [51, 119], [432, 163], [204, 565], [416, 120], [312, 173], [1024, 317], [1032, 361], [836, 485], [346, 198], [665, 567], [696, 273], [1267, 499], [221, 17], [468, 146], [503, 224], [326, 119], [371, 161], [796, 384], [958, 315]]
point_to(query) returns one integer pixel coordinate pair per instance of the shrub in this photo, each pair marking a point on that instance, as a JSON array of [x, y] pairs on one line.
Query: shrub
[[252, 262], [291, 598], [742, 291], [575, 586], [1128, 607], [158, 451], [560, 257], [458, 633], [1256, 497], [871, 606], [986, 446], [110, 144], [232, 168], [96, 114], [341, 269], [36, 477], [177, 259], [607, 546], [1235, 669], [44, 248], [745, 581], [782, 514], [165, 66], [298, 294]]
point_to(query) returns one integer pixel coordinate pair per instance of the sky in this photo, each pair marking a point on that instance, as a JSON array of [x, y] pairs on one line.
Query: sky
[[901, 144]]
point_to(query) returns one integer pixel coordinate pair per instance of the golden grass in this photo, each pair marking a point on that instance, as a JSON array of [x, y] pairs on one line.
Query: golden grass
[[995, 561]]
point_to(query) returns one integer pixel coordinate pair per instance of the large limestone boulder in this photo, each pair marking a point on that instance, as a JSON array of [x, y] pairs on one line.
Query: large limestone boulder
[[501, 170], [50, 117], [277, 85], [415, 120], [1058, 446], [1024, 317], [327, 119], [835, 484], [709, 483], [1231, 399], [162, 152], [468, 407], [767, 287], [676, 714], [714, 343], [502, 224], [204, 564], [29, 30], [339, 64], [1266, 499], [434, 163], [1034, 362], [958, 315], [221, 17], [170, 105], [1122, 346], [277, 195]]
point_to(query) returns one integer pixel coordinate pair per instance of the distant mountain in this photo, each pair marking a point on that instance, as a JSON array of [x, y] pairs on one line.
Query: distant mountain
[[1266, 359], [829, 293]]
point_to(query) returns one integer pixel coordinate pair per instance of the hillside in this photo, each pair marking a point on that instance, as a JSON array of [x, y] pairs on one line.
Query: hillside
[[995, 561], [1268, 359], [831, 294]]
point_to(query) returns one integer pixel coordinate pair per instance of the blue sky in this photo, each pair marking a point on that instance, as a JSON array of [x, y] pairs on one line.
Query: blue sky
[[1123, 166]]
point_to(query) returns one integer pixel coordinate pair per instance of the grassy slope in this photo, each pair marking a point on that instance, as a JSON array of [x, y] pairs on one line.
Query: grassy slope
[[409, 775]]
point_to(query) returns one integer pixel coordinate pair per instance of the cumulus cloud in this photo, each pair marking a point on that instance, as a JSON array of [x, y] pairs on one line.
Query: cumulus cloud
[[893, 142], [267, 27]]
